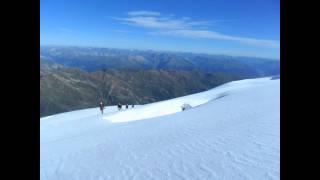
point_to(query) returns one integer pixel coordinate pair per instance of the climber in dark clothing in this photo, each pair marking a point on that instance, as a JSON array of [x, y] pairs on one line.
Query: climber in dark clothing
[[119, 106], [101, 105], [127, 106], [132, 105]]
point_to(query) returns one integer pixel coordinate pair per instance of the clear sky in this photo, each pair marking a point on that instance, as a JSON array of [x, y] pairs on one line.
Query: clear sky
[[232, 27]]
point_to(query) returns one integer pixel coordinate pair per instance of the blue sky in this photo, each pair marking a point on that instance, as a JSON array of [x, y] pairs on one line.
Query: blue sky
[[232, 27]]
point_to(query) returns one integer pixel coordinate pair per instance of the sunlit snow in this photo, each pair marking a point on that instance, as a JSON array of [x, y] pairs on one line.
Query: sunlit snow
[[231, 132]]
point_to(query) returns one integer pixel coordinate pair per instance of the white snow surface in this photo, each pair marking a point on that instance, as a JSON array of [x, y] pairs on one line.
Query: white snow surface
[[232, 132]]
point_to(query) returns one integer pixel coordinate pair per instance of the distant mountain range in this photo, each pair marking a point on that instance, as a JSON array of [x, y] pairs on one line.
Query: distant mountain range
[[74, 78], [93, 59]]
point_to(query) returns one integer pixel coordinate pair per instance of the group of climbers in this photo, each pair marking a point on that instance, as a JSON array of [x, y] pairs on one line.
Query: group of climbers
[[101, 105]]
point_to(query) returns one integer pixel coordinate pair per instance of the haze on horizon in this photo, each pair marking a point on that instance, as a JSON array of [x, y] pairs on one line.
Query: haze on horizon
[[246, 28]]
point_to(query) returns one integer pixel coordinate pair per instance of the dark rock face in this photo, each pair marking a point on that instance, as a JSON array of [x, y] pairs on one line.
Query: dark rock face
[[66, 89]]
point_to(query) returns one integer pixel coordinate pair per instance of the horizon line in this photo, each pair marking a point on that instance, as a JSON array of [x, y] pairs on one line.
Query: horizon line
[[167, 51]]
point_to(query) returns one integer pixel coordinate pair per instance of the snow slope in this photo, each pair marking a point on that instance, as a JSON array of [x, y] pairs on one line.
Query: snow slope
[[232, 132]]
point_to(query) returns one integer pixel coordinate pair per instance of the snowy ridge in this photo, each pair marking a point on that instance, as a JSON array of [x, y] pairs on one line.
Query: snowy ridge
[[232, 132], [174, 105]]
